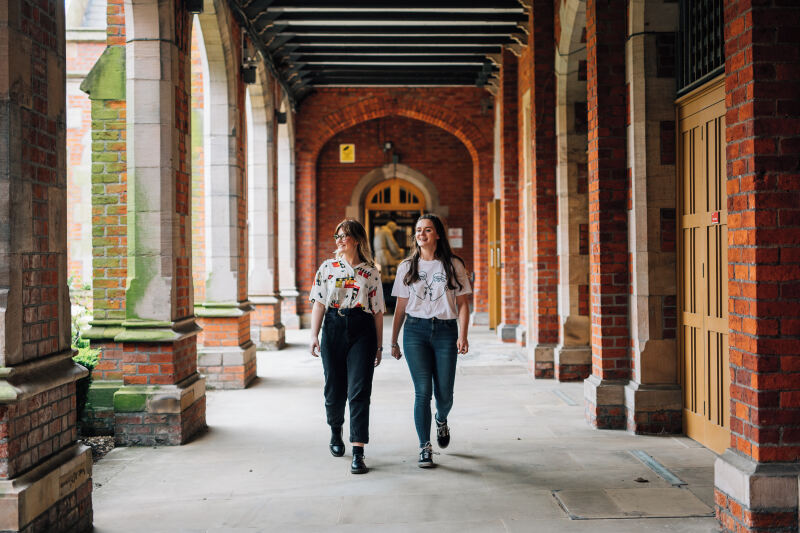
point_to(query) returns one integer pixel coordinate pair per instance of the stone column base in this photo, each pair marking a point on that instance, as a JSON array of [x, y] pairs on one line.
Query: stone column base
[[604, 403], [54, 496], [653, 409], [573, 363], [507, 332], [270, 338], [227, 367], [479, 319], [98, 417], [753, 496], [266, 330], [290, 317], [540, 361], [150, 415]]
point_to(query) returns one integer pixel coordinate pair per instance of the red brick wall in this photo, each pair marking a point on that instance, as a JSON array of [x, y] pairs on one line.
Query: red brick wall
[[762, 84], [36, 428], [510, 227], [327, 112], [159, 363], [115, 22], [545, 214], [435, 153], [39, 169], [109, 191], [524, 68], [608, 185], [183, 179]]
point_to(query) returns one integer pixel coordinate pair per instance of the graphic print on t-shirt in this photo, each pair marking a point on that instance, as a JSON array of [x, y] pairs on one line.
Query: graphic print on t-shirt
[[432, 290]]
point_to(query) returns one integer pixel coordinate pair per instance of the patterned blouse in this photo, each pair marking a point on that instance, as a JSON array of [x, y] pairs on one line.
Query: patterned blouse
[[337, 284]]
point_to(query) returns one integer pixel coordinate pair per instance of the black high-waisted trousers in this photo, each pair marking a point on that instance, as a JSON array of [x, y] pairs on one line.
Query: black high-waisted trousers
[[348, 346]]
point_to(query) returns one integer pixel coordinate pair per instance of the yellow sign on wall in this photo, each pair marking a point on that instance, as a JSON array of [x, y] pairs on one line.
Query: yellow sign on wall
[[347, 153]]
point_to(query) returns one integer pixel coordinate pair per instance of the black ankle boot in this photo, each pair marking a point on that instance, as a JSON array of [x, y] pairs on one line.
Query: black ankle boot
[[337, 444], [358, 466]]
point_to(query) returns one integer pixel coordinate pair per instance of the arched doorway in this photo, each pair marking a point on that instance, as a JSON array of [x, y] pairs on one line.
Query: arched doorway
[[391, 208]]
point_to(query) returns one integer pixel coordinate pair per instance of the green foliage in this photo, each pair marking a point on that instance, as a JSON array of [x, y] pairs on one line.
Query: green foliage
[[87, 357]]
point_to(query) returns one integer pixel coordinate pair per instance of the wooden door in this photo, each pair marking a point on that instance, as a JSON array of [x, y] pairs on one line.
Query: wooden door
[[703, 272], [495, 288]]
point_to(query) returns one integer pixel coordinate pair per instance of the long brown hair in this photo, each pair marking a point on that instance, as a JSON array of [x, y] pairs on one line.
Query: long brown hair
[[443, 253], [354, 229]]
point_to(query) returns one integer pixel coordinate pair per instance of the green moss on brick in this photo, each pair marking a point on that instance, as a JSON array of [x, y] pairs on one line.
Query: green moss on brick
[[129, 401]]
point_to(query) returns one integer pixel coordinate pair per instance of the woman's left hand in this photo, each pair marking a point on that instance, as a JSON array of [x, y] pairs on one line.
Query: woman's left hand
[[462, 344], [378, 357]]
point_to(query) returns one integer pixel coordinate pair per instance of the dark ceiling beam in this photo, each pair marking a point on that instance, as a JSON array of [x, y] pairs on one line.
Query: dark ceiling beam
[[302, 50], [336, 17], [400, 40], [383, 58], [411, 82], [390, 29], [394, 4], [360, 69]]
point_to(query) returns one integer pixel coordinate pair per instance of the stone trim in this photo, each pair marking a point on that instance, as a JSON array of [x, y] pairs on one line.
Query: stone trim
[[26, 497], [29, 379]]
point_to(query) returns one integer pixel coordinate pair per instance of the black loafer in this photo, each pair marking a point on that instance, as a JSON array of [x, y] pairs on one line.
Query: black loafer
[[337, 444], [358, 466]]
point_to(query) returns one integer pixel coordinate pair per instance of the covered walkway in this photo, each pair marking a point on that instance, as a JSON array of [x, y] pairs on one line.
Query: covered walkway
[[264, 465]]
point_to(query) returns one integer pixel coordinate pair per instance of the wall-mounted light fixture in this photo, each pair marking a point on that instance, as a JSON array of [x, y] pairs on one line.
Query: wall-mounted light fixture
[[250, 59], [387, 145], [194, 6]]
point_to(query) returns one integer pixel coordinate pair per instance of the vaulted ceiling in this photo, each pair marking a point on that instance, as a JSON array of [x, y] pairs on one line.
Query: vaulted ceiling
[[351, 43]]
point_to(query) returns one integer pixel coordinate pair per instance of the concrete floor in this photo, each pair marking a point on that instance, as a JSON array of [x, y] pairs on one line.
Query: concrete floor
[[520, 453]]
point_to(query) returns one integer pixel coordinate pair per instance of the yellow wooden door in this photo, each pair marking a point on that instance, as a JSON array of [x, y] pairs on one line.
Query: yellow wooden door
[[495, 288], [703, 272]]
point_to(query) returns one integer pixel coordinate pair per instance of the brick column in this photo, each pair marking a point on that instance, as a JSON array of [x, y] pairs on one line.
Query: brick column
[[509, 328], [572, 358], [756, 479], [226, 354], [544, 334], [105, 85], [608, 217], [162, 400], [262, 154], [45, 476]]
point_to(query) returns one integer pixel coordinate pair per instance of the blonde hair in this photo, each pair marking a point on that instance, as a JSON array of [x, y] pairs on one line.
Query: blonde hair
[[354, 229]]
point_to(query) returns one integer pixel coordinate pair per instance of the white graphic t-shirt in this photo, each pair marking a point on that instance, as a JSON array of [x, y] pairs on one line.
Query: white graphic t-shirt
[[337, 284], [429, 296]]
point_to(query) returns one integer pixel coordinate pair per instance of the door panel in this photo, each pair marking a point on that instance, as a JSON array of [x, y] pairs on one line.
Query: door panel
[[495, 288], [703, 234]]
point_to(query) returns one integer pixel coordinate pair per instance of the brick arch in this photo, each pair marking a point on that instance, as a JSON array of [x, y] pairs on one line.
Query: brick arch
[[472, 128], [376, 107]]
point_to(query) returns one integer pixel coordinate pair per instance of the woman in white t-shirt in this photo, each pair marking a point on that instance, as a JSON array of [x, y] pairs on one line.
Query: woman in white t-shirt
[[433, 292], [347, 292]]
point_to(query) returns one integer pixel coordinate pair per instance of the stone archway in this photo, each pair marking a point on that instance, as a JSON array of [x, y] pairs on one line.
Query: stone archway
[[355, 209], [572, 356]]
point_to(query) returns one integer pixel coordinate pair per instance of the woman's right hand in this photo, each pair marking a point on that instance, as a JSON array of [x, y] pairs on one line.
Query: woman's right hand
[[314, 346], [396, 353]]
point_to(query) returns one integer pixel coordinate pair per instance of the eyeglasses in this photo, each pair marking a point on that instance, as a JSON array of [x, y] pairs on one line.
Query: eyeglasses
[[340, 236]]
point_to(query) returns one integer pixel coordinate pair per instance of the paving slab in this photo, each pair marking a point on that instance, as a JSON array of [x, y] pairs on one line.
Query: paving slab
[[264, 465]]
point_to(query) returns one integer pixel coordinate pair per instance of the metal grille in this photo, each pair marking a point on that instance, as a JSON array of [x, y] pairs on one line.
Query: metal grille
[[700, 43]]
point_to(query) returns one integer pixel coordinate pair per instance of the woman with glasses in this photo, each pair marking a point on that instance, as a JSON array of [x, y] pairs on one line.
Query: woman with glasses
[[432, 289], [347, 293]]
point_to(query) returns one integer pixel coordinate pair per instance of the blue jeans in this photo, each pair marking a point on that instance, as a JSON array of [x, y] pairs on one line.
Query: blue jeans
[[430, 348]]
